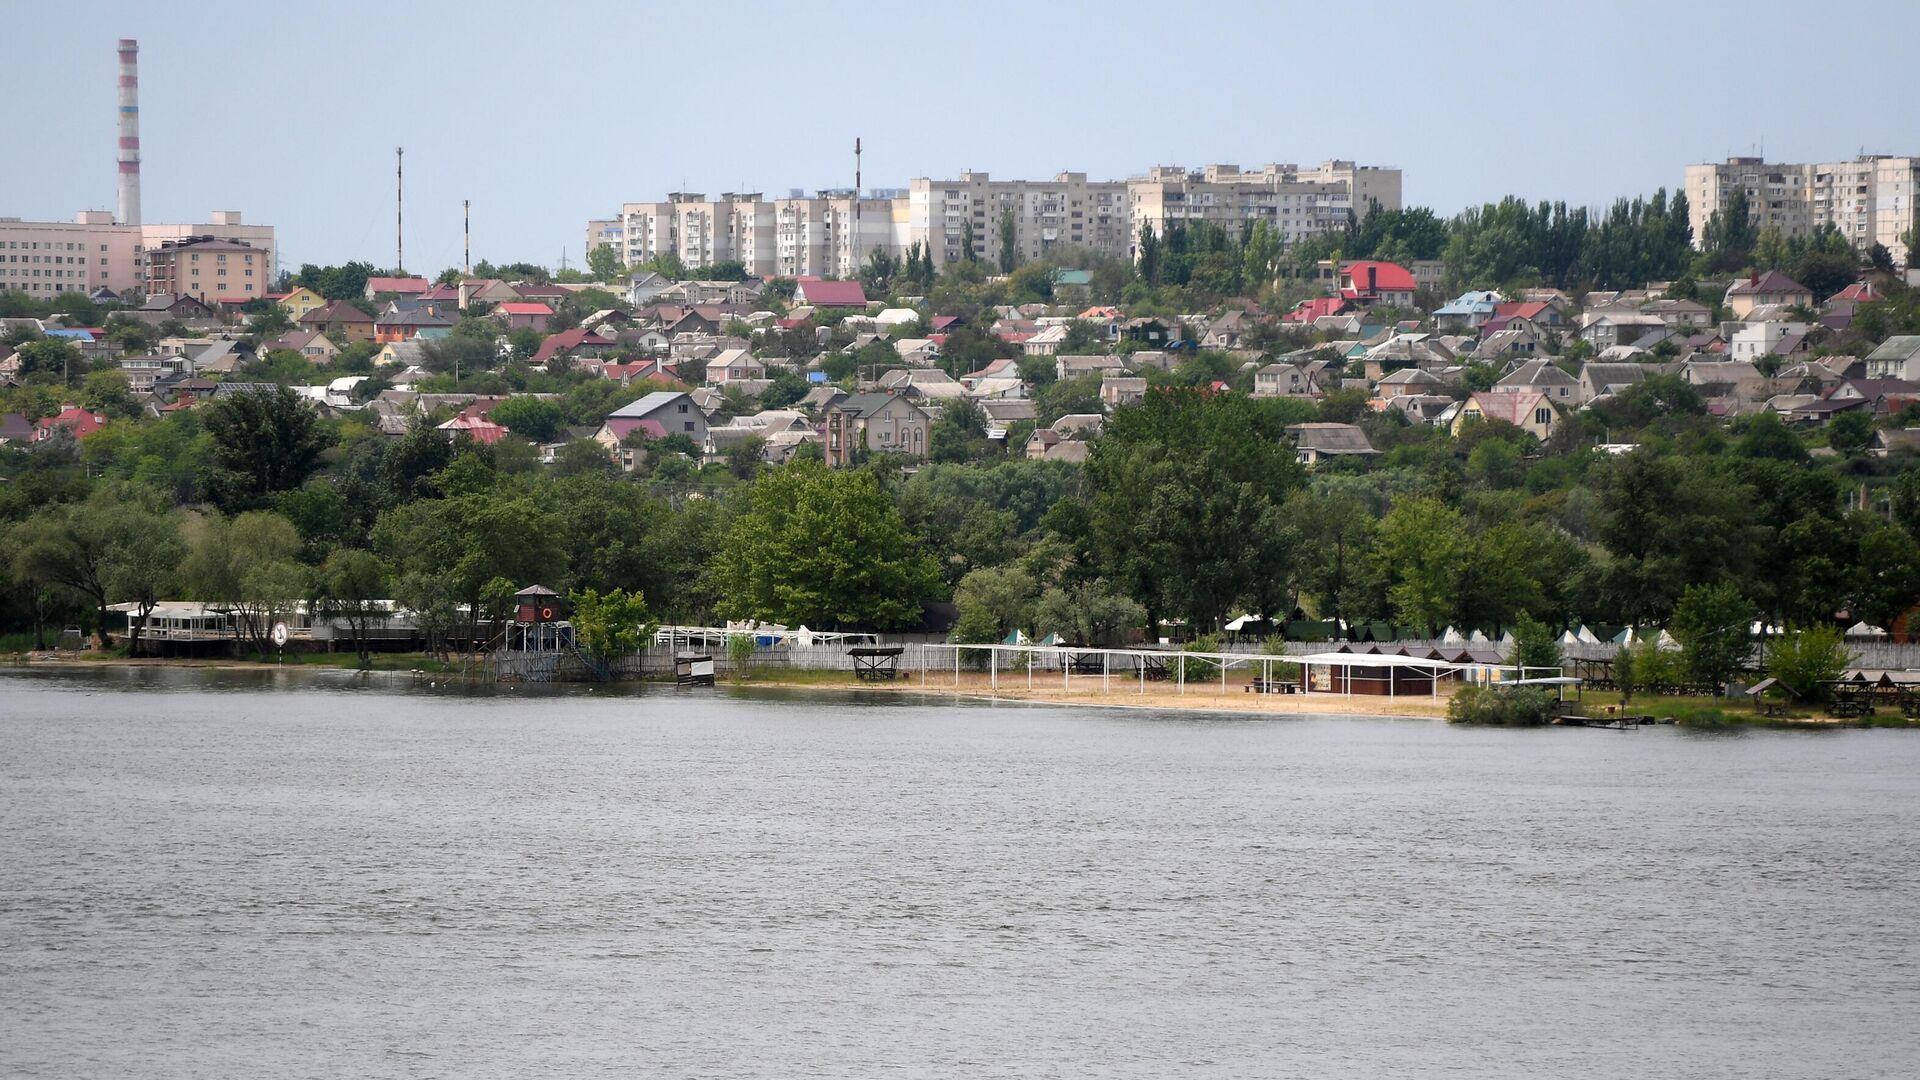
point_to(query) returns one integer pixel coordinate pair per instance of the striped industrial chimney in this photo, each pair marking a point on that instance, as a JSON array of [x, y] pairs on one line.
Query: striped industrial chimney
[[129, 132]]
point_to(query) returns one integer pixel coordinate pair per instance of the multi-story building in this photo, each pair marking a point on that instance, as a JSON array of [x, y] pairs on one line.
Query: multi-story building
[[1296, 203], [832, 234], [610, 232], [1050, 216], [207, 269], [1869, 199], [45, 258]]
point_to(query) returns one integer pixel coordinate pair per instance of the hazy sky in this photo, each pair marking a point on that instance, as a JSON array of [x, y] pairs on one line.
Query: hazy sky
[[546, 114]]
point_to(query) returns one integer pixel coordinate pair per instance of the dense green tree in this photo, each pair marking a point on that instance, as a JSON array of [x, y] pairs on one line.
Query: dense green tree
[[822, 548], [1186, 495], [354, 587], [1713, 624], [263, 442], [537, 419]]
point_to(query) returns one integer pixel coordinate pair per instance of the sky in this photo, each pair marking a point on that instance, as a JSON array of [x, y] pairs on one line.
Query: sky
[[546, 115]]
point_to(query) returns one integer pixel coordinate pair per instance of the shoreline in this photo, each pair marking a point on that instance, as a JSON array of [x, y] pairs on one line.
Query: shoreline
[[1201, 698]]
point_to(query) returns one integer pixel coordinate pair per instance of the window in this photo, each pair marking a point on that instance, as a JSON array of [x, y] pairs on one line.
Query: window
[[1543, 416]]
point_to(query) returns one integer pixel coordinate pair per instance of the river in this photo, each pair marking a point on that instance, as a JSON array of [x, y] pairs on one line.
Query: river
[[207, 874]]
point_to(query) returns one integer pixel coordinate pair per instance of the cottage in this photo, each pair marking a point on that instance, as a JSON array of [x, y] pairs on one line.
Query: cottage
[[378, 286], [1377, 284], [1074, 367], [1548, 379], [340, 321], [1317, 442], [1119, 390], [523, 314], [1896, 358], [1599, 379], [404, 325], [843, 295], [655, 416], [1771, 288], [1527, 409], [1283, 380], [80, 422], [312, 344], [1468, 311], [298, 301], [877, 423]]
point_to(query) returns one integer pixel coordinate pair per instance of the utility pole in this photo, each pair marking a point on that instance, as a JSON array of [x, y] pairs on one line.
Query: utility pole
[[399, 192]]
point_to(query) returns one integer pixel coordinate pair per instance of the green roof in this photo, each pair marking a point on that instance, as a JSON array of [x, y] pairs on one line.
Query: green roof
[[1073, 277]]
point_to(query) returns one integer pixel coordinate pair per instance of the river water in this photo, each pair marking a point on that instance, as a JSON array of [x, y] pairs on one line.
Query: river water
[[300, 875]]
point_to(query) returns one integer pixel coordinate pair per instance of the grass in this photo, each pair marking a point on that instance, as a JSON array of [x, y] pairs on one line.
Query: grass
[[1724, 712]]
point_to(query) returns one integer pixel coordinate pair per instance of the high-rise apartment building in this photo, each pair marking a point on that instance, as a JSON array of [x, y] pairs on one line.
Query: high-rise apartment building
[[829, 234], [1296, 203], [1048, 215], [1869, 199]]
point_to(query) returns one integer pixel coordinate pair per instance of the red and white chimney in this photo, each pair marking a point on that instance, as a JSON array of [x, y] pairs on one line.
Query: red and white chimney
[[129, 132]]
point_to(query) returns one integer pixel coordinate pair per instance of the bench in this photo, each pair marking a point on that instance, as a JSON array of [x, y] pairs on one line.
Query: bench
[[1273, 686]]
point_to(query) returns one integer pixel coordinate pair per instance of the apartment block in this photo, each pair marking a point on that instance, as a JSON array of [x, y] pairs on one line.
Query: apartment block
[[1297, 203], [833, 233], [45, 258], [1067, 212], [208, 269], [1869, 199]]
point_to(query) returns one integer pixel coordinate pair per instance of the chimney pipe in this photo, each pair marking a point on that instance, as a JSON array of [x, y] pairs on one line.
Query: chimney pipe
[[129, 132]]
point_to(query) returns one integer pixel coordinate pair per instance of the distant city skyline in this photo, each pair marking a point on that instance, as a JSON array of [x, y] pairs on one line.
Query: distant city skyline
[[544, 123]]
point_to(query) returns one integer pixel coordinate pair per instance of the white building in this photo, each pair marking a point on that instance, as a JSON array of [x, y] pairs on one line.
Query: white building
[[1869, 199], [46, 258]]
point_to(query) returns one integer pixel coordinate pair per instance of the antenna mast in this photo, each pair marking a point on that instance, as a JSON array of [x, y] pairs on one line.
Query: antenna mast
[[399, 192], [466, 236], [856, 205]]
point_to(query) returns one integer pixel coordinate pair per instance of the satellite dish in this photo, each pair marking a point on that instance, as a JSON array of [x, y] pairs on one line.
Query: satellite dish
[[279, 633]]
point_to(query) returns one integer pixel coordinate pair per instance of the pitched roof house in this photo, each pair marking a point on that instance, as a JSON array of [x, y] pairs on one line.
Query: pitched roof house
[[815, 292], [882, 423], [1314, 442], [1769, 288], [1544, 376], [1382, 283], [1527, 409], [341, 321]]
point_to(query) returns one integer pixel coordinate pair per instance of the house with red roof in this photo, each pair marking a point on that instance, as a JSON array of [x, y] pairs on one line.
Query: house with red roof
[[1369, 283], [1317, 308], [655, 416], [474, 422], [660, 371], [571, 343], [516, 314], [72, 417], [397, 286], [815, 292]]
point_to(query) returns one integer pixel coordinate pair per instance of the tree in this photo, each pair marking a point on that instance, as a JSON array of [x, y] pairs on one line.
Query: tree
[[1850, 432], [993, 602], [1625, 673], [1009, 242], [538, 419], [251, 565], [264, 441], [604, 263], [143, 567], [1534, 645], [1149, 255], [101, 549], [354, 586], [1087, 613], [608, 626], [51, 360], [1423, 545], [1713, 624], [1806, 660], [822, 548], [1186, 494]]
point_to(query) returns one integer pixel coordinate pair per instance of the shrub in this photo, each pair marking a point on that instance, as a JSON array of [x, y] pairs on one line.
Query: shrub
[[740, 649], [1521, 706], [1199, 670], [1806, 660]]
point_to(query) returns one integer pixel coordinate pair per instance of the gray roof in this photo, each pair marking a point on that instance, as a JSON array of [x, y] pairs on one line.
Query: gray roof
[[1903, 347], [1331, 438], [1537, 373], [648, 405]]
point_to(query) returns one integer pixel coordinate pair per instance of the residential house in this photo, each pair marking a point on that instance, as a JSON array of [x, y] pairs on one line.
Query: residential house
[[1545, 314], [1119, 390], [298, 301], [1883, 396], [1608, 327], [1433, 410], [644, 286], [1468, 311], [1003, 413], [81, 422], [1315, 443], [739, 369], [159, 307], [1547, 378], [1412, 380], [919, 352], [1226, 331], [1310, 312], [519, 314], [475, 423], [1377, 284], [312, 344], [378, 286], [876, 423], [1073, 367], [1896, 358], [575, 344], [15, 429], [1754, 340], [402, 354], [1679, 314], [923, 384], [1529, 410], [1046, 341], [1067, 439], [815, 292], [655, 416], [1155, 333], [404, 325], [1599, 379], [1001, 368], [340, 321], [1284, 380], [1771, 288], [1887, 442]]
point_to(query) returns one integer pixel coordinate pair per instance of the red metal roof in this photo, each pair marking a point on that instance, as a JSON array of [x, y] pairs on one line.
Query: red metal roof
[[832, 293], [403, 285], [512, 308], [1369, 278]]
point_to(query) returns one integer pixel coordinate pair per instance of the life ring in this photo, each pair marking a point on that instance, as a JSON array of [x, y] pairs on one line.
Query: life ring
[[546, 613]]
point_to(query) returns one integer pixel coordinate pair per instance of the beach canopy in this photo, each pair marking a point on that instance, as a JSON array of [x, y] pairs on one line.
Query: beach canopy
[[1862, 630], [1018, 637], [1587, 637], [1452, 637], [1568, 637], [1477, 638], [1244, 621]]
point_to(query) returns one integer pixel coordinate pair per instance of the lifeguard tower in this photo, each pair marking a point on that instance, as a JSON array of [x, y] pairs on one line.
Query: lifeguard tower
[[539, 622]]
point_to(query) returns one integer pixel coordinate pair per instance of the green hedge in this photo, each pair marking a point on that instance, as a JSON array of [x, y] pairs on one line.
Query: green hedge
[[1523, 706]]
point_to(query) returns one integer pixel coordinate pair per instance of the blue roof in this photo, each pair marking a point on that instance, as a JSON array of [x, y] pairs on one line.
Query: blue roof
[[1477, 302]]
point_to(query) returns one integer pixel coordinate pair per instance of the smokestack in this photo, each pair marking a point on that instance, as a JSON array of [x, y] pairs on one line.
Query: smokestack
[[129, 132]]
